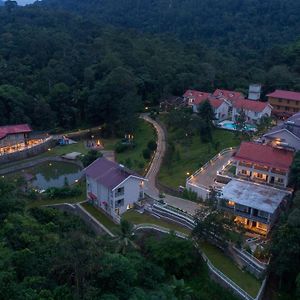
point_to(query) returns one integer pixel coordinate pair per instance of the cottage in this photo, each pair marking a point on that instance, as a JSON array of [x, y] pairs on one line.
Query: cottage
[[263, 163], [220, 106], [13, 137], [227, 95], [285, 135], [255, 206], [112, 187], [285, 103], [253, 110]]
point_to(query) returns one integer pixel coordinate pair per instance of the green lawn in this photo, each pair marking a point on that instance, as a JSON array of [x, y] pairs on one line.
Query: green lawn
[[47, 201], [192, 155], [143, 134], [137, 218], [101, 217], [242, 278]]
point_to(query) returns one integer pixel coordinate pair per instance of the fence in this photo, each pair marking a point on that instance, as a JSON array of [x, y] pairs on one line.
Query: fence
[[215, 273], [201, 190]]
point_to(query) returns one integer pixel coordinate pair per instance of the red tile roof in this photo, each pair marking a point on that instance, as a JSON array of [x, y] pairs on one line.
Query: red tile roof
[[285, 95], [253, 105], [214, 102], [228, 95], [14, 129], [197, 97], [265, 155]]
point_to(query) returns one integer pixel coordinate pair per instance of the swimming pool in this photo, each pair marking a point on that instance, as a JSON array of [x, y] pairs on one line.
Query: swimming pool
[[232, 126]]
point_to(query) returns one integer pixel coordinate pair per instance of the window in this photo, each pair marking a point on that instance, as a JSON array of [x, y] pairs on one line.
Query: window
[[244, 172], [242, 208], [263, 214], [279, 100], [280, 180], [259, 175], [119, 203], [287, 108], [119, 192]]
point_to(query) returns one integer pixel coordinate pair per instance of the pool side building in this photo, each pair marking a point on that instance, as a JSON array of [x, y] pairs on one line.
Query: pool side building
[[263, 163], [112, 187], [255, 206]]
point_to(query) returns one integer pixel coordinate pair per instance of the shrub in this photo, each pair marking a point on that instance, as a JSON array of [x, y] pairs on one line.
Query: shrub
[[147, 153], [152, 145], [64, 192], [90, 157]]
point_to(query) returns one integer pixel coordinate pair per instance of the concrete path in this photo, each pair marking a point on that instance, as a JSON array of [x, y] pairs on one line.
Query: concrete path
[[150, 187], [208, 175]]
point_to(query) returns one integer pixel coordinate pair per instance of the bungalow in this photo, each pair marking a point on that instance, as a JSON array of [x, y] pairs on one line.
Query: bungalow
[[263, 163], [254, 110], [285, 135], [13, 137], [219, 106], [112, 187], [255, 206]]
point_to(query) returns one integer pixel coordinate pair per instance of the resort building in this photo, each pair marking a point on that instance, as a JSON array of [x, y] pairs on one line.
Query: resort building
[[285, 135], [220, 107], [112, 187], [227, 95], [285, 103], [255, 206], [14, 138], [254, 110], [263, 163]]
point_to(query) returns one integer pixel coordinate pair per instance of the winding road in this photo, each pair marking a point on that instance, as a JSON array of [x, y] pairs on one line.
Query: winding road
[[151, 188]]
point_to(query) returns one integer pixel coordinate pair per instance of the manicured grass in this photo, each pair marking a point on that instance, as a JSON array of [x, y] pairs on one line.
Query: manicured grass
[[242, 278], [190, 156], [137, 218], [101, 217], [144, 133]]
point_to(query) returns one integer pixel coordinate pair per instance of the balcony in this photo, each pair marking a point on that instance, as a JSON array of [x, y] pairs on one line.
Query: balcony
[[119, 194]]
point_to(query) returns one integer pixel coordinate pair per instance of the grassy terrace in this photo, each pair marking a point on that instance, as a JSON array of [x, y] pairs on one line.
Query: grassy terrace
[[100, 216], [47, 201], [193, 154], [143, 135], [137, 218], [245, 280]]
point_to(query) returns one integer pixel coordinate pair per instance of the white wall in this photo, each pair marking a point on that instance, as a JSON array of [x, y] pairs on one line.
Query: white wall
[[222, 111], [131, 193], [251, 115]]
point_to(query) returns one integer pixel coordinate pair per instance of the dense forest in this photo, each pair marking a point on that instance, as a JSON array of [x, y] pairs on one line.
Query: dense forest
[[62, 70], [46, 254], [243, 26]]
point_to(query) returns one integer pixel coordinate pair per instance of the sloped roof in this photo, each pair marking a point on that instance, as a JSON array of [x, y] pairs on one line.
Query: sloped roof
[[253, 105], [285, 95], [292, 125], [253, 195], [14, 129], [197, 96], [265, 155], [228, 95], [108, 173]]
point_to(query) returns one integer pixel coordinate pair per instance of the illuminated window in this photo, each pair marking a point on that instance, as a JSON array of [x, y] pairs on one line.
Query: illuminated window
[[231, 203]]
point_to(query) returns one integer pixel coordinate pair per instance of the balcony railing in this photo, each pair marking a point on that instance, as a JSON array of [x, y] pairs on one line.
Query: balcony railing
[[119, 194]]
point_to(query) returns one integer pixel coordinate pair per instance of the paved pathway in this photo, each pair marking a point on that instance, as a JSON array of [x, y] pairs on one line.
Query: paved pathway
[[207, 176], [150, 187]]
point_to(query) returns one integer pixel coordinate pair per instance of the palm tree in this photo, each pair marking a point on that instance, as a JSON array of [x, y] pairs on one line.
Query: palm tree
[[181, 290], [126, 236]]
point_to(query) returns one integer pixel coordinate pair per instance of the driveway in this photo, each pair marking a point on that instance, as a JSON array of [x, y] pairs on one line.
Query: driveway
[[150, 188]]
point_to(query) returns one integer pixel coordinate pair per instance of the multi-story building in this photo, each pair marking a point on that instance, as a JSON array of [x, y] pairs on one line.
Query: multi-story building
[[284, 103], [13, 137], [112, 187], [253, 110], [254, 205], [263, 163]]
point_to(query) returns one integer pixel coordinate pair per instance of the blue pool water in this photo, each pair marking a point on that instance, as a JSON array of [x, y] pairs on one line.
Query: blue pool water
[[232, 126]]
